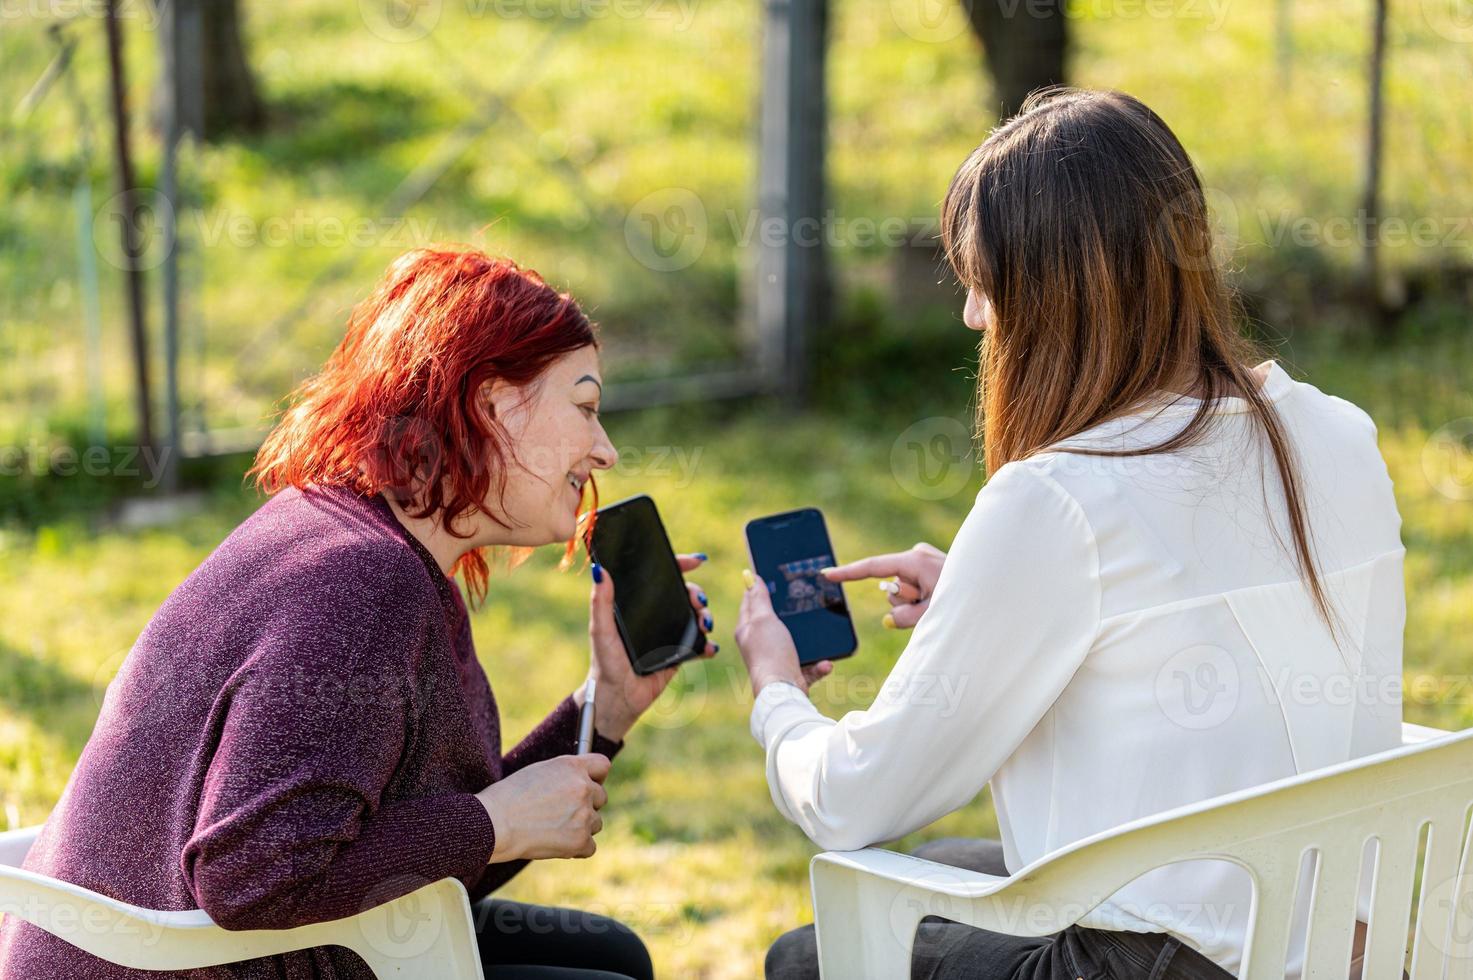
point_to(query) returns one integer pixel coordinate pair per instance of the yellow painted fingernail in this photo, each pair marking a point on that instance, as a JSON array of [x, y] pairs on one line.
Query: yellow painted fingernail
[[748, 578], [888, 622]]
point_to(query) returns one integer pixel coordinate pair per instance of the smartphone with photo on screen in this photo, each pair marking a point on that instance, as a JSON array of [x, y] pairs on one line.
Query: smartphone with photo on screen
[[787, 551]]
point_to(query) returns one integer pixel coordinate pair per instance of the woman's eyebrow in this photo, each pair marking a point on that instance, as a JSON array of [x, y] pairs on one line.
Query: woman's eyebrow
[[589, 377]]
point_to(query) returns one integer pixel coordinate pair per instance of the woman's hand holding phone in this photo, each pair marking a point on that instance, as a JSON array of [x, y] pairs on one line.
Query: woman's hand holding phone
[[766, 645], [622, 695], [914, 573]]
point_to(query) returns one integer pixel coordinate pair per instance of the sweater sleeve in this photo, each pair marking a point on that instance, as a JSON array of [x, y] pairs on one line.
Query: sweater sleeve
[[1012, 617], [291, 826], [556, 735]]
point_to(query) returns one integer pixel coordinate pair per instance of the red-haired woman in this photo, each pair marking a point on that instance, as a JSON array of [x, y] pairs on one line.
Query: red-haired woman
[[303, 730]]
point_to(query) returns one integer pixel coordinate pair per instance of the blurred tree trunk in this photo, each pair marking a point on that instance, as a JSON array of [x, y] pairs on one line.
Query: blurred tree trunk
[[218, 94], [1382, 312], [1025, 43]]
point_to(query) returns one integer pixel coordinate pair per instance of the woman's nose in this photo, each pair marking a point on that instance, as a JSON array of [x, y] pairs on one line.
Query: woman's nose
[[604, 455]]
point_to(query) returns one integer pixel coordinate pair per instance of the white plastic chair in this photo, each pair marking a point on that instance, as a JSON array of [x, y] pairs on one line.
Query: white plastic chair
[[427, 933], [868, 903]]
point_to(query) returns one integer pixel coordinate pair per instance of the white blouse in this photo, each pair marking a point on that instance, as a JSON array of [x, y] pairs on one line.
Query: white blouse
[[1114, 637]]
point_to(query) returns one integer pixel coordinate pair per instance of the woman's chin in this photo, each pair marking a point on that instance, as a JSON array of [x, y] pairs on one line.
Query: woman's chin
[[563, 531]]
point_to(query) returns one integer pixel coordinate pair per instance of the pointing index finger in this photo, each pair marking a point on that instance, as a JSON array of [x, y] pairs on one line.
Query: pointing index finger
[[875, 566]]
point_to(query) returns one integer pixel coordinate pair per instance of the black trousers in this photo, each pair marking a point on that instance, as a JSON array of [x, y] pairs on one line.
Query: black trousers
[[952, 951], [537, 942]]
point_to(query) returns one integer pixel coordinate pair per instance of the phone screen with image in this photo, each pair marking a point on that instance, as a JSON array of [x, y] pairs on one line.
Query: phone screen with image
[[787, 551]]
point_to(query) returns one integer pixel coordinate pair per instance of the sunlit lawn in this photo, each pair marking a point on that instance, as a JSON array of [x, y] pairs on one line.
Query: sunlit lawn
[[693, 853]]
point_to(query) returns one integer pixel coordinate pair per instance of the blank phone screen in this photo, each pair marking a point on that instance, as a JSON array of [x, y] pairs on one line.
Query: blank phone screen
[[651, 602], [787, 552]]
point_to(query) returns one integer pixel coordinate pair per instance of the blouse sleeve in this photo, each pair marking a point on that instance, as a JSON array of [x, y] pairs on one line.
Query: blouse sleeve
[[1016, 609], [291, 826]]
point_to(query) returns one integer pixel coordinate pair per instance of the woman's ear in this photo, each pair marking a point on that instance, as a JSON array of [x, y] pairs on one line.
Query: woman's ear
[[505, 404], [498, 397]]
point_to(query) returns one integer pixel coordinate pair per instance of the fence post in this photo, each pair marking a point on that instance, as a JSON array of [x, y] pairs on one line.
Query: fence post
[[130, 232], [792, 290], [180, 113]]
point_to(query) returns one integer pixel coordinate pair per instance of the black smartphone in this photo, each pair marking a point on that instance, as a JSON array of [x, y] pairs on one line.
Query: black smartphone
[[651, 603], [787, 550]]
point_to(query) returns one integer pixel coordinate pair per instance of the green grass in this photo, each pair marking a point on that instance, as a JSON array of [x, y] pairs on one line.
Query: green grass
[[693, 853]]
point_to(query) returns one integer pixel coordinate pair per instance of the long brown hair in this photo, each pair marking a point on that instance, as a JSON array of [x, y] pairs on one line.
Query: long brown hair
[[1083, 222]]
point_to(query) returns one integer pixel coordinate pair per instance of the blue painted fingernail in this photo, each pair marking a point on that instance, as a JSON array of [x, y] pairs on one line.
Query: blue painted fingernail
[[716, 648], [701, 598], [701, 555], [598, 573], [706, 621]]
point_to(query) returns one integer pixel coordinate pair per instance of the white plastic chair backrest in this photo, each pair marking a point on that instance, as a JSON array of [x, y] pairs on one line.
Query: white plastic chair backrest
[[1389, 797], [16, 844], [1267, 830], [426, 933]]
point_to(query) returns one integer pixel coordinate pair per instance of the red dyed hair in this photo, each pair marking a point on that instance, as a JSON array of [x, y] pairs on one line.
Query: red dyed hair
[[397, 406]]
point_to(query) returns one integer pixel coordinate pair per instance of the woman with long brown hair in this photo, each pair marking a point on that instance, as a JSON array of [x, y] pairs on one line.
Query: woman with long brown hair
[[1182, 577]]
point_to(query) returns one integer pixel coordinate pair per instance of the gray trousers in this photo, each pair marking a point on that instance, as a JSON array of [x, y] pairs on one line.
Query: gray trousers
[[951, 951]]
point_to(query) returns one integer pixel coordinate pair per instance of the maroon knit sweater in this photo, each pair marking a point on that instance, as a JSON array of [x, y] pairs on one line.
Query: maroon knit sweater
[[296, 736]]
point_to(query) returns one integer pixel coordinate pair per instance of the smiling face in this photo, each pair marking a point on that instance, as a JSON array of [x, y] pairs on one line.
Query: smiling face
[[556, 441]]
